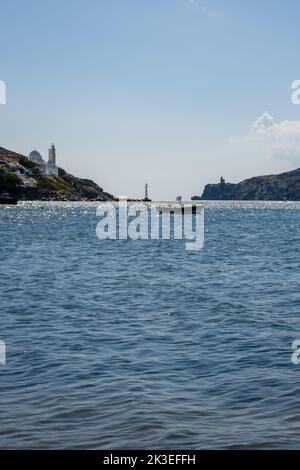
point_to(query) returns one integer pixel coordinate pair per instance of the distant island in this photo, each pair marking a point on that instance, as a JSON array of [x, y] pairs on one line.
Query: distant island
[[281, 187], [30, 178]]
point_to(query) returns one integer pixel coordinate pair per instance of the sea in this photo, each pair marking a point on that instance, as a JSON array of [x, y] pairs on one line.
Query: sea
[[123, 344]]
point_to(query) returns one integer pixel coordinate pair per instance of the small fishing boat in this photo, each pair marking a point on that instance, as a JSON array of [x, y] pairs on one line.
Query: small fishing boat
[[174, 208]]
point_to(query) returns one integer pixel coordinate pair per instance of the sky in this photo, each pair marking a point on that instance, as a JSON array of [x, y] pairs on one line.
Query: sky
[[175, 93]]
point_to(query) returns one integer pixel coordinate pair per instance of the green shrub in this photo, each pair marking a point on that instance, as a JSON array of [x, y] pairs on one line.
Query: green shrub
[[9, 182], [24, 161]]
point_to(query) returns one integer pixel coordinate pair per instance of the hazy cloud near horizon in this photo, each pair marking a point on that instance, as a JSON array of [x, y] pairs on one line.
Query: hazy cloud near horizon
[[273, 140]]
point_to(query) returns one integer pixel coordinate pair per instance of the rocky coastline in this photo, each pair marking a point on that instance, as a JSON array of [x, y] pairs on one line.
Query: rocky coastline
[[21, 178], [281, 187]]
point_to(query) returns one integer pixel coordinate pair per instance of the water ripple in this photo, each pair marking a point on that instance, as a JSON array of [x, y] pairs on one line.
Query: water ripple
[[142, 345]]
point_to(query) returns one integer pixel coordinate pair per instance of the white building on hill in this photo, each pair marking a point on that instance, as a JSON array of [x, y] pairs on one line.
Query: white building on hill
[[47, 168]]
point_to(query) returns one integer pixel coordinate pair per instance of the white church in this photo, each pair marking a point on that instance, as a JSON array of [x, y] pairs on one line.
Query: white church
[[47, 168]]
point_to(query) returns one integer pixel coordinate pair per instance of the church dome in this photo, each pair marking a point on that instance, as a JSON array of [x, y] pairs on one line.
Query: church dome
[[36, 157], [35, 154]]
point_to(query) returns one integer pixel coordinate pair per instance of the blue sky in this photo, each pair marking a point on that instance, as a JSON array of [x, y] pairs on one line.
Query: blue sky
[[164, 91]]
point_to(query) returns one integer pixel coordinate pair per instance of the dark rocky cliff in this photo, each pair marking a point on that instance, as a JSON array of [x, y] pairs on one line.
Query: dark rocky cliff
[[285, 186]]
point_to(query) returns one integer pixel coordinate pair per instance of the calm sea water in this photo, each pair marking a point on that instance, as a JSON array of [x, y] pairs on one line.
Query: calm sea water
[[140, 344]]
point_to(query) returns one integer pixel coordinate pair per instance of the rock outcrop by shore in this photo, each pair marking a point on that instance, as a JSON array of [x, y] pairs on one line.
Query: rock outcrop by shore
[[21, 178], [281, 187]]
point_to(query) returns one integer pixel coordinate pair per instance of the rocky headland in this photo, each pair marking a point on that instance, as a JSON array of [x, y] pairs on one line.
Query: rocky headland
[[281, 187], [21, 178]]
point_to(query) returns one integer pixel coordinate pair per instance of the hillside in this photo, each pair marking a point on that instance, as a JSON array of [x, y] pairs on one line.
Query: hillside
[[19, 177], [284, 186]]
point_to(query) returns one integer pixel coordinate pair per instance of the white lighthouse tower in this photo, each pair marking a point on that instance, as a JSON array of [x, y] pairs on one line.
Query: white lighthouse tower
[[146, 198]]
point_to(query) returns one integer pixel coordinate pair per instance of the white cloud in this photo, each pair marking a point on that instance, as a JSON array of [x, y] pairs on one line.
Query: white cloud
[[276, 140], [204, 7], [265, 121]]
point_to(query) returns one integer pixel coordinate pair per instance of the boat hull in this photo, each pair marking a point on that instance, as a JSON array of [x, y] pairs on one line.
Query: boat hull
[[178, 209]]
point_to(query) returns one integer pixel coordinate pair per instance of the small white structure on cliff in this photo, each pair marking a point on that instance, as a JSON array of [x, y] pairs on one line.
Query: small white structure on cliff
[[47, 168]]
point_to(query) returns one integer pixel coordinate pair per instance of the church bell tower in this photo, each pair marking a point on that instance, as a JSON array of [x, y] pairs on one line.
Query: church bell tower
[[52, 155]]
